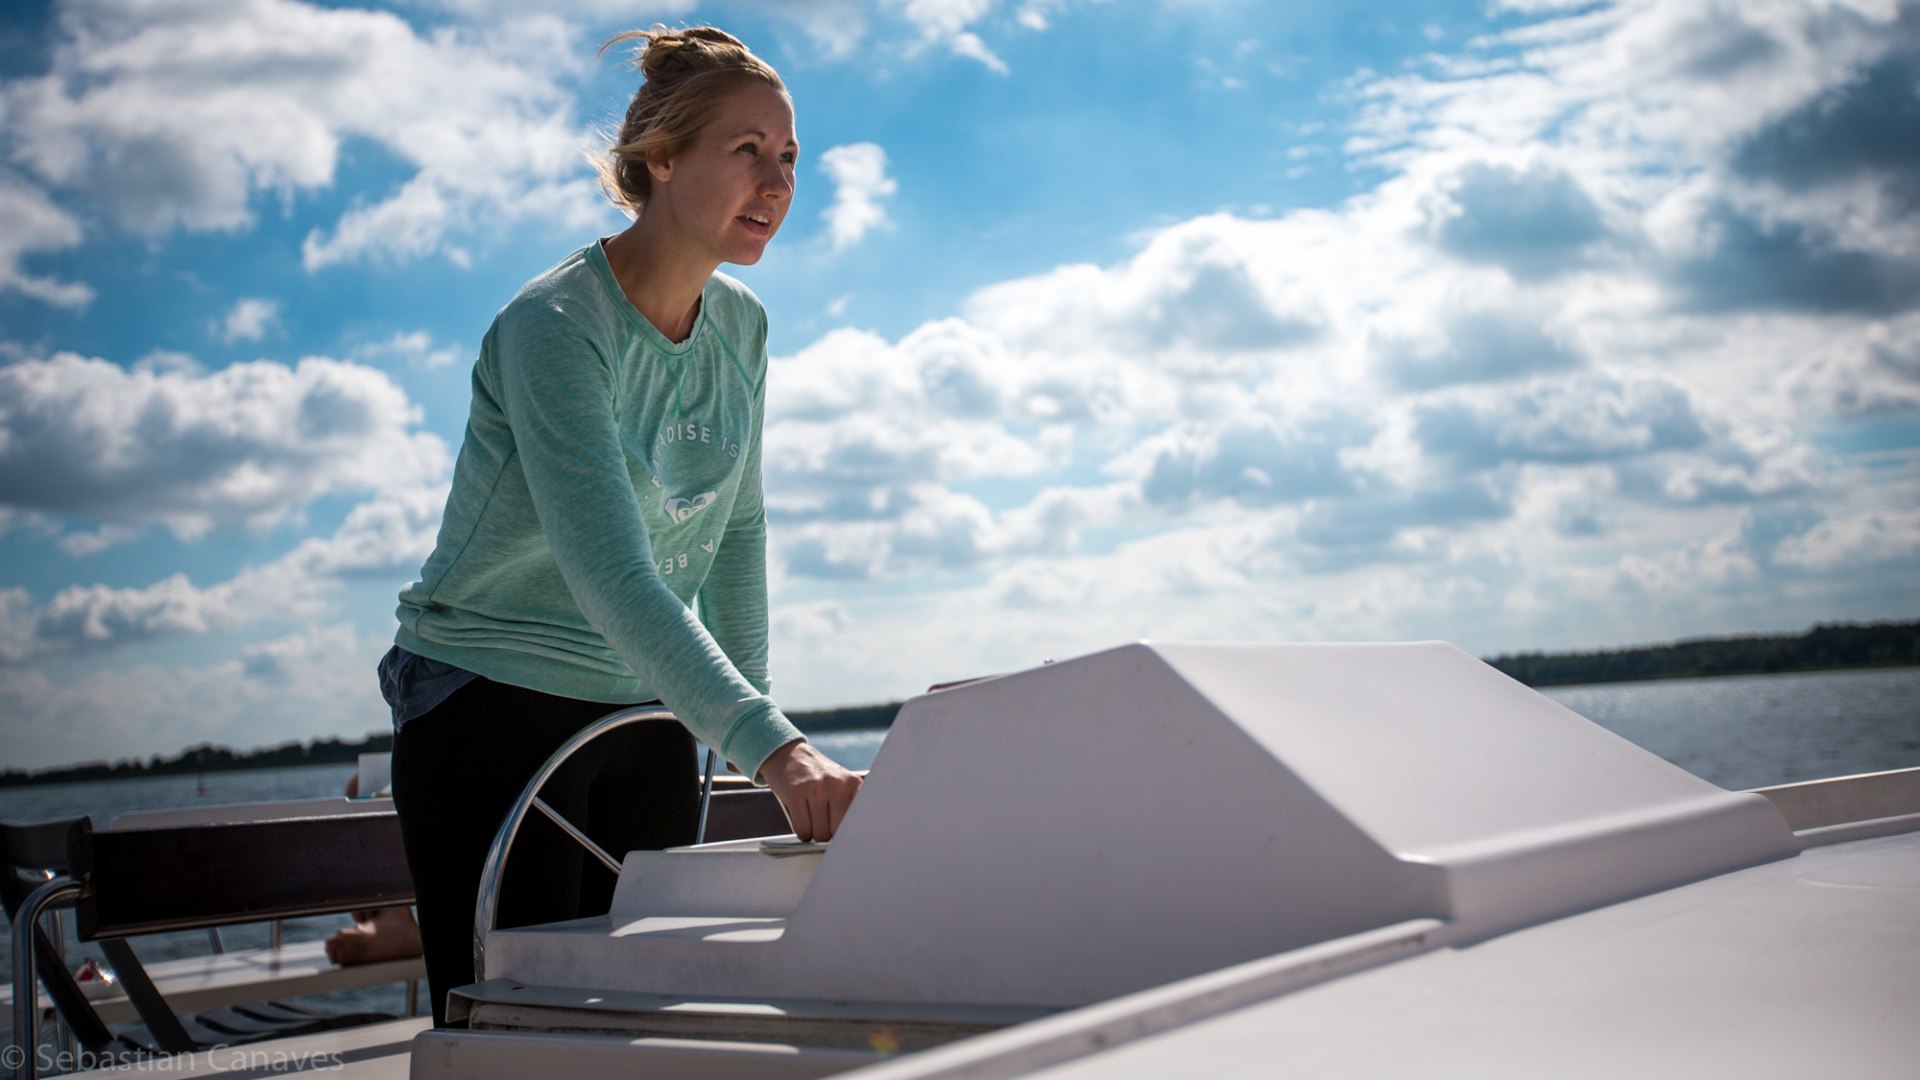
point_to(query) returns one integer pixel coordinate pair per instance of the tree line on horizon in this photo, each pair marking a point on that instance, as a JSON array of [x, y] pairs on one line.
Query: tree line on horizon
[[1824, 647]]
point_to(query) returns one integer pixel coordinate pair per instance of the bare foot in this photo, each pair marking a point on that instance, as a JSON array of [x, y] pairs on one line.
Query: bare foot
[[386, 934]]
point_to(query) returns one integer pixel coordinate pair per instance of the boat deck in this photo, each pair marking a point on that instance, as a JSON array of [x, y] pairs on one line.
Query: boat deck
[[1803, 967]]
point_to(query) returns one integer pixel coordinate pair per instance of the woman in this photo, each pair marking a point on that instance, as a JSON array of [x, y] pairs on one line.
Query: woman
[[609, 482]]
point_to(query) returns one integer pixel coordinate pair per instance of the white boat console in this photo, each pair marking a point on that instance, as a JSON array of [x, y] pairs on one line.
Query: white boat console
[[1270, 817]]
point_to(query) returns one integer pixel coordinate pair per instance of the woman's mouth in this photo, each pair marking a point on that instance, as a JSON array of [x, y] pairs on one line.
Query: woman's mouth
[[757, 224]]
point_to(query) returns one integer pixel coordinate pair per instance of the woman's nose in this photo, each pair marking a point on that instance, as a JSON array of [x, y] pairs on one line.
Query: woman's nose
[[777, 181]]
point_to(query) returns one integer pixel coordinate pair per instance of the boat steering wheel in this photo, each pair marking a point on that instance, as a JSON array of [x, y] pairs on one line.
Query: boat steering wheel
[[493, 873]]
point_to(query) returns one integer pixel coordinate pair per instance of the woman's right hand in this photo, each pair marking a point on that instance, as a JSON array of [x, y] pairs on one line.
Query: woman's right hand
[[813, 789]]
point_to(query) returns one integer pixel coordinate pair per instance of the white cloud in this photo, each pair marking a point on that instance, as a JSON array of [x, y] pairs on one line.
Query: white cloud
[[1874, 537], [1498, 397], [249, 319], [16, 625], [82, 544], [390, 535], [251, 443], [29, 223], [946, 23], [177, 116], [413, 347], [497, 9], [93, 615], [386, 537], [315, 683], [860, 182], [1586, 366], [1872, 373]]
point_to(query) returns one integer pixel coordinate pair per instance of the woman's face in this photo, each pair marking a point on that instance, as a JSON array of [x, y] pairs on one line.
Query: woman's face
[[729, 191]]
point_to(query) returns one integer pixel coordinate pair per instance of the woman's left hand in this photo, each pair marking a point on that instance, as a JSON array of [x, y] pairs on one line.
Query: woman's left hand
[[813, 789]]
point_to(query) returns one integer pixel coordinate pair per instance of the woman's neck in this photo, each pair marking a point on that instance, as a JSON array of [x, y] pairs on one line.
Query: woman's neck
[[665, 289]]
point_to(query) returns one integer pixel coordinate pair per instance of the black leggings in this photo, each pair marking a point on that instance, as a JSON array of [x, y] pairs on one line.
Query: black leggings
[[457, 771]]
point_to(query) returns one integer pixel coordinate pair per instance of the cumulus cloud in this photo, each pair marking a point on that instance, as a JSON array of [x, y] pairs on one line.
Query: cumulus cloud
[[1264, 460], [315, 683], [1839, 135], [1747, 262], [386, 537], [250, 443], [82, 544], [249, 319], [1212, 286], [1585, 364], [1581, 307], [1534, 222], [855, 415], [1573, 421], [1472, 345], [172, 116], [1873, 537], [1874, 373], [412, 347], [947, 24], [29, 223], [860, 182]]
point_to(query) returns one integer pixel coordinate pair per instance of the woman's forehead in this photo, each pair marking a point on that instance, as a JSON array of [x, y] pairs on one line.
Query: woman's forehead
[[756, 108]]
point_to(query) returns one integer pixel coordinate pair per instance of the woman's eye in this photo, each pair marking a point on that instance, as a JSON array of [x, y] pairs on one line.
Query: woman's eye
[[789, 157], [748, 148]]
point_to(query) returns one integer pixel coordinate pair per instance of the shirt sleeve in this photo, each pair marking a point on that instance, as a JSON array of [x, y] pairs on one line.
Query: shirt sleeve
[[557, 388], [733, 599]]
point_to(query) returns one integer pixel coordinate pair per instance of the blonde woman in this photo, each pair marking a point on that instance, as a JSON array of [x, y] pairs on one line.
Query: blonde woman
[[604, 542]]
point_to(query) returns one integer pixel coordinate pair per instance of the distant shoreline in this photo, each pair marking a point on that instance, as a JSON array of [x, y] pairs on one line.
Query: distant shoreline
[[1836, 647]]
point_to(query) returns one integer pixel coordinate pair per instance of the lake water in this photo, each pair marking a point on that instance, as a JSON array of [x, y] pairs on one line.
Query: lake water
[[1738, 732]]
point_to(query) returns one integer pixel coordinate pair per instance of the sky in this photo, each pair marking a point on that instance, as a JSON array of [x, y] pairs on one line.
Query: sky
[[1525, 325]]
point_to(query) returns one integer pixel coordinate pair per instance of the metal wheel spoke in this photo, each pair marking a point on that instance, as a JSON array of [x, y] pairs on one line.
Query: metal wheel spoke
[[573, 830]]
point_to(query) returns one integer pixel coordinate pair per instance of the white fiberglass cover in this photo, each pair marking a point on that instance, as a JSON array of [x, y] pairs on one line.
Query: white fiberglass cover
[[1105, 824]]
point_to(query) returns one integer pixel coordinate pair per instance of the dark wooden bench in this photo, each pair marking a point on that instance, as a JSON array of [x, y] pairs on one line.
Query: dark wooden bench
[[157, 872]]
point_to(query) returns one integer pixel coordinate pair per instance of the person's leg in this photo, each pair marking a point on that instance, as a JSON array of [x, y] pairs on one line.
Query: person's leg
[[642, 795], [457, 771], [383, 934]]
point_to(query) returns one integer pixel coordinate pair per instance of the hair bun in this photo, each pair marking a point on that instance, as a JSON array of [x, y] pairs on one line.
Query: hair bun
[[663, 51]]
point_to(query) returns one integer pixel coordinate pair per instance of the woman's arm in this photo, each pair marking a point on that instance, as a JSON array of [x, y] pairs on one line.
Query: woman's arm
[[813, 789], [556, 387], [733, 599]]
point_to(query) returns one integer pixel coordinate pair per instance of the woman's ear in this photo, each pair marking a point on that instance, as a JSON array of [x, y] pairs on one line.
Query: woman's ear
[[659, 166]]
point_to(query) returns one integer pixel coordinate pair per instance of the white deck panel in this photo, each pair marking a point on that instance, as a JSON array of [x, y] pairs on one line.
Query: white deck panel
[[1805, 967]]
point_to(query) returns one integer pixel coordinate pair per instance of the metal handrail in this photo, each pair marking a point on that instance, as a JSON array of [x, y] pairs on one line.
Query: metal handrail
[[493, 873], [26, 975]]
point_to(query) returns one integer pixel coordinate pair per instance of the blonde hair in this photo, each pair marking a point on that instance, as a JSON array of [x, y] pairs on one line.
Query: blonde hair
[[686, 74]]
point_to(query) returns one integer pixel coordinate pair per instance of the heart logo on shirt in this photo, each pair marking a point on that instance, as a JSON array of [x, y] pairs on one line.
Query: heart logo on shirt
[[679, 510]]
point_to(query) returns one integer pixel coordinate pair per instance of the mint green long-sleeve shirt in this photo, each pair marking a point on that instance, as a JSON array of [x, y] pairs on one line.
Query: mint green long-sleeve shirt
[[609, 480]]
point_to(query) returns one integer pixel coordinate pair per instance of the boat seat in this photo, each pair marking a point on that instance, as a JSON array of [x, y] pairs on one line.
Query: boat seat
[[161, 876]]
